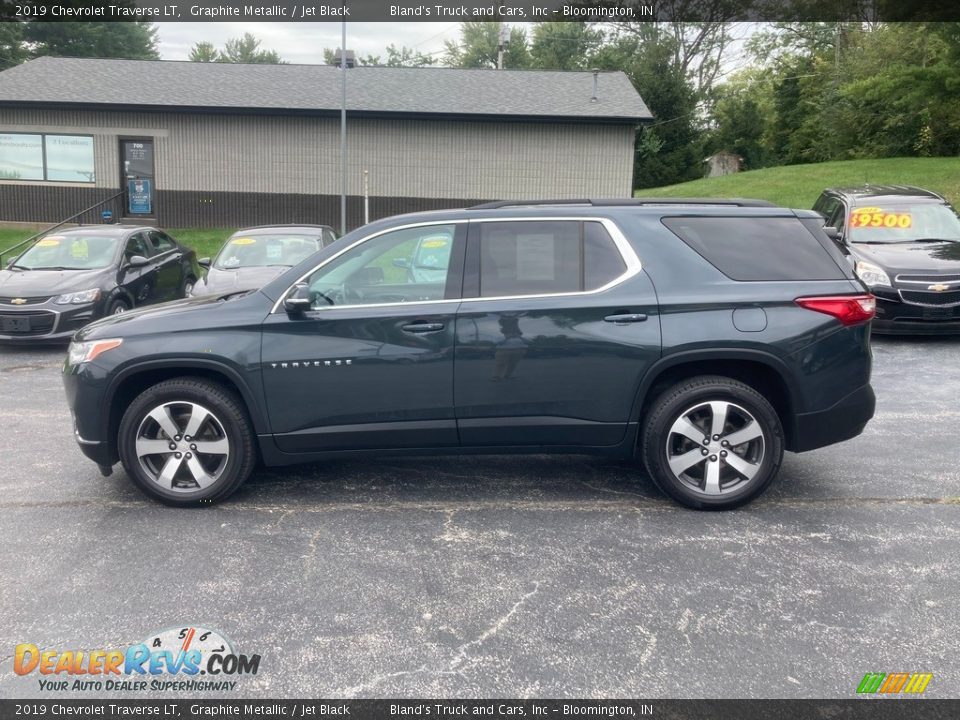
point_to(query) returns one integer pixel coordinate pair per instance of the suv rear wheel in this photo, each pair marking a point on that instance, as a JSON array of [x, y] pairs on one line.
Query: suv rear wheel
[[186, 442], [712, 442]]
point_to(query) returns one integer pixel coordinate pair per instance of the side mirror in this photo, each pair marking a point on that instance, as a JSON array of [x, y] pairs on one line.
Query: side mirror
[[401, 262], [832, 232], [298, 301], [204, 262], [136, 261]]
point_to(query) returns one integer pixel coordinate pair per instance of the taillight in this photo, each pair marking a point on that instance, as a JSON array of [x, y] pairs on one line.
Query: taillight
[[848, 309]]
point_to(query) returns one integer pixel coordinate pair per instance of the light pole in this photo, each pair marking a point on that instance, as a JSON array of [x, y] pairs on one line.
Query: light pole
[[343, 126]]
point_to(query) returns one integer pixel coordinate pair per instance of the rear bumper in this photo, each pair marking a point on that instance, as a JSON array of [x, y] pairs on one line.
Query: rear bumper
[[842, 421]]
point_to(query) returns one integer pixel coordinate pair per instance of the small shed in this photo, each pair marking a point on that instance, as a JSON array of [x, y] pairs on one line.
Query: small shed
[[723, 163]]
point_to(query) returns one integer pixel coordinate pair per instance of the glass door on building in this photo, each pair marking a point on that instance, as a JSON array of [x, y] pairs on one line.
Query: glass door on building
[[136, 174]]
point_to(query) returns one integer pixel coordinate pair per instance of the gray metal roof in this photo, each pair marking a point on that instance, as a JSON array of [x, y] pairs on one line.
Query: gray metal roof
[[316, 88]]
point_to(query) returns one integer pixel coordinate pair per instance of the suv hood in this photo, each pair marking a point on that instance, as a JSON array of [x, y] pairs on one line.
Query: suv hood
[[170, 316], [927, 257], [219, 281], [49, 282]]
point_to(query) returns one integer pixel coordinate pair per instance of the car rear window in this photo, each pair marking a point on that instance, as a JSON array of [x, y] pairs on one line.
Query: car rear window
[[757, 248]]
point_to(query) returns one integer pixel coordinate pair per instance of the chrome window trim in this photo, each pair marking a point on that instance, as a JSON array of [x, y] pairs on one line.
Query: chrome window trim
[[630, 259]]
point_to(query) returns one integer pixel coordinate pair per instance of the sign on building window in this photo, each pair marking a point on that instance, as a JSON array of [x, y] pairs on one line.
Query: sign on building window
[[57, 158], [21, 157]]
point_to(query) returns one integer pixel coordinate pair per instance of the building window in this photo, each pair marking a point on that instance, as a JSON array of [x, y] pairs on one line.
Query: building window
[[57, 158]]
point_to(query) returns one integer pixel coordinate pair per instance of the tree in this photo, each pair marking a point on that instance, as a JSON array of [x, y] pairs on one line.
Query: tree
[[479, 43], [203, 52], [563, 45], [246, 49], [396, 57], [131, 40], [12, 51]]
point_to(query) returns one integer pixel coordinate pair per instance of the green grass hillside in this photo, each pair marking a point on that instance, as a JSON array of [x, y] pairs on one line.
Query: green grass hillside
[[797, 186]]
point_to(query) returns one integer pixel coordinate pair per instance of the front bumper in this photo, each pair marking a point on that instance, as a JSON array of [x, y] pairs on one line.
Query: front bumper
[[45, 323], [896, 317], [842, 421]]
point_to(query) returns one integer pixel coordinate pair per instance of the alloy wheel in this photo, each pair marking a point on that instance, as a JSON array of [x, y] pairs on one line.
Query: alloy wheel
[[182, 446], [715, 448]]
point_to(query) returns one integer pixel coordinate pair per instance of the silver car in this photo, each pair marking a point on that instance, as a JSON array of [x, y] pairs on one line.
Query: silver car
[[252, 257]]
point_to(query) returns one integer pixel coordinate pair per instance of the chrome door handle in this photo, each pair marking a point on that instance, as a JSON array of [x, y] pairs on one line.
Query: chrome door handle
[[624, 318], [422, 327]]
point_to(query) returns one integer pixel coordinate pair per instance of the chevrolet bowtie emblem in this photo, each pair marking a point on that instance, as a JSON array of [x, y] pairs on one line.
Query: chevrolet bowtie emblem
[[939, 287], [18, 301]]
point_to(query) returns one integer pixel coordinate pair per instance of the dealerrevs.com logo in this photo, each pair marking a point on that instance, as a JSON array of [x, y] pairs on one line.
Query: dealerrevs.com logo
[[185, 659], [894, 683]]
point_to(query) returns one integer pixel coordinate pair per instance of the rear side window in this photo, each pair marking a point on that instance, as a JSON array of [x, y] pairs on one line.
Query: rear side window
[[755, 248], [546, 257]]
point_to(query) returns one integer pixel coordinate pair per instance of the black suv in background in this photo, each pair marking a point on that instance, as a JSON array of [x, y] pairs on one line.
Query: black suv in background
[[904, 243], [703, 337]]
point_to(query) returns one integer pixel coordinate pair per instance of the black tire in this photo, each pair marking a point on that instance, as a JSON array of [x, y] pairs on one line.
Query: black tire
[[739, 404], [226, 421], [117, 306]]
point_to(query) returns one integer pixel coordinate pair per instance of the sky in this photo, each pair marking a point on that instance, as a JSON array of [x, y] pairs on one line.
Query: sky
[[304, 42]]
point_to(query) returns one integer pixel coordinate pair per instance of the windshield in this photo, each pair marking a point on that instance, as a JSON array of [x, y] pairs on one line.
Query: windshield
[[70, 252], [260, 250], [904, 223]]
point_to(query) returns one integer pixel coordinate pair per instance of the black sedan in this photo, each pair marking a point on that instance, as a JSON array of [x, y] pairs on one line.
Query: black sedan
[[71, 277], [252, 257], [904, 244]]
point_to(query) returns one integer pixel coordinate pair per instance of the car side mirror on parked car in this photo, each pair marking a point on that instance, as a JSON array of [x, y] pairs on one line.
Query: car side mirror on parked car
[[136, 261], [204, 262], [298, 301], [401, 262], [832, 232]]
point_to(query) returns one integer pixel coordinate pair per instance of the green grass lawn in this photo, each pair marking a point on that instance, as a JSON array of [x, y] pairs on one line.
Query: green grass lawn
[[797, 186]]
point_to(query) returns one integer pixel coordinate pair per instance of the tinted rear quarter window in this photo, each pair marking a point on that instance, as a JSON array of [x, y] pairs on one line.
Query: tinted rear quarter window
[[757, 248]]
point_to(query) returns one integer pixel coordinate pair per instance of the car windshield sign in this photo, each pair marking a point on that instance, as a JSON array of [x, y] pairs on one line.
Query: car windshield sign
[[78, 251], [263, 250], [903, 223]]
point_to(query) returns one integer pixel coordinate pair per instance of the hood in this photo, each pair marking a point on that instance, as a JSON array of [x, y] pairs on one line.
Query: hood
[[168, 316], [928, 257], [37, 283], [246, 278]]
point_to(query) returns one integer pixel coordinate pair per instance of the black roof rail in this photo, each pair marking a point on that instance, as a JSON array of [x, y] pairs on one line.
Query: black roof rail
[[628, 202]]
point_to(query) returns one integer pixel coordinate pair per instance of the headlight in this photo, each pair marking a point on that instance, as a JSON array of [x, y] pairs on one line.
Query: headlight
[[86, 351], [79, 298], [871, 274]]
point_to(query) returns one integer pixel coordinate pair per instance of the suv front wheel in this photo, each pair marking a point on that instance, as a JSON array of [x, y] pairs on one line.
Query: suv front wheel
[[712, 442], [186, 441]]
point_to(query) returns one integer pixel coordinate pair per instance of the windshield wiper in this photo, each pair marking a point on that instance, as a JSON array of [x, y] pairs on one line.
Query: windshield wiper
[[18, 267], [934, 240]]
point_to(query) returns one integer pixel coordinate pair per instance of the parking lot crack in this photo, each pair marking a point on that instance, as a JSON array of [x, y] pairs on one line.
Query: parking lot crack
[[464, 650]]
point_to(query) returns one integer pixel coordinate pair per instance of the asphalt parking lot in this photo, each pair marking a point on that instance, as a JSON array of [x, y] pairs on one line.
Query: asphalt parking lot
[[502, 577]]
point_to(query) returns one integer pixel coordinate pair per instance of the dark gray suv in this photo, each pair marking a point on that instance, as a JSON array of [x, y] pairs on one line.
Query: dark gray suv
[[702, 337]]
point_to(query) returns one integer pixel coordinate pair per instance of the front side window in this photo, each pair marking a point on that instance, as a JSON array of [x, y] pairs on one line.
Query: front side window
[[408, 265], [160, 242], [136, 245], [57, 158], [546, 257], [78, 251]]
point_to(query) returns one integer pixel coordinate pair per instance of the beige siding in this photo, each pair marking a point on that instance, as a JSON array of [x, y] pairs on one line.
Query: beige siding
[[405, 158]]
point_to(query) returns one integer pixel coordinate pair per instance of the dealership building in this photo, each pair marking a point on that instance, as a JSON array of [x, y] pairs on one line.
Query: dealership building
[[213, 144]]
